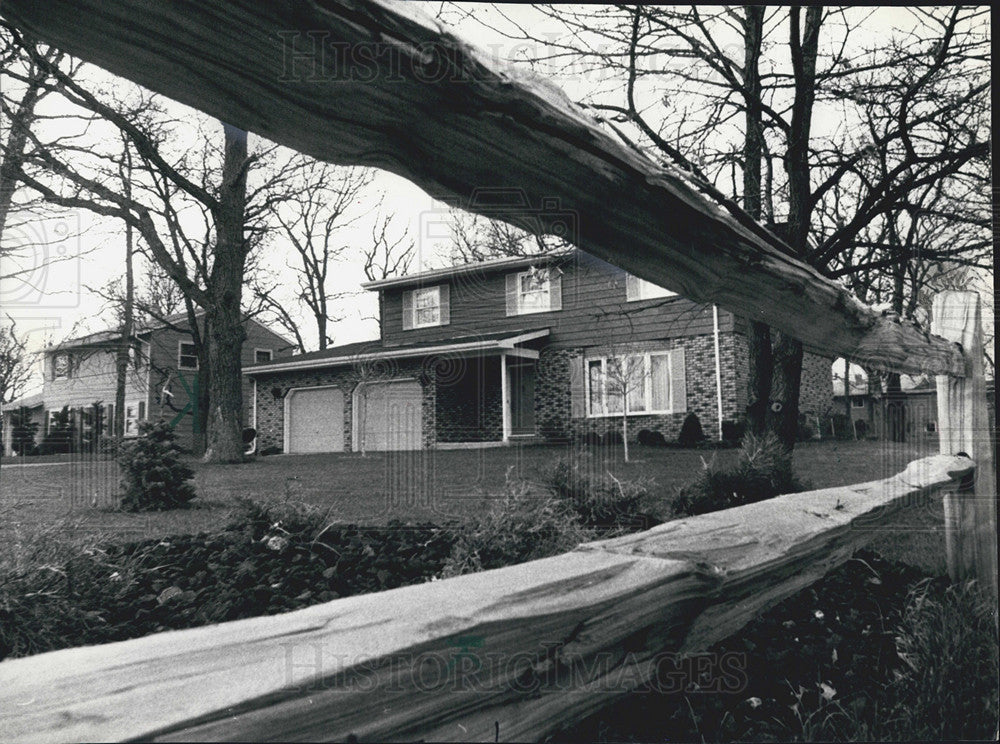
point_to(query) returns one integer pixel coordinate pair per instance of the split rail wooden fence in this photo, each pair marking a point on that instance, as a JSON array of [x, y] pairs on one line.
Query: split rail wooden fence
[[515, 653]]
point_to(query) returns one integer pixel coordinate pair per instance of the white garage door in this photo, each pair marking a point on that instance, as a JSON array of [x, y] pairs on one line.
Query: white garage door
[[390, 416], [316, 420]]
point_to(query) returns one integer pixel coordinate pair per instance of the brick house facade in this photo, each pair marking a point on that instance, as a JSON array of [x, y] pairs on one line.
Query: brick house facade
[[509, 349]]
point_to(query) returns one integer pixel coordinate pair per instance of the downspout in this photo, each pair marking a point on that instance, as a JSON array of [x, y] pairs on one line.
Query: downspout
[[718, 366], [253, 447], [504, 399]]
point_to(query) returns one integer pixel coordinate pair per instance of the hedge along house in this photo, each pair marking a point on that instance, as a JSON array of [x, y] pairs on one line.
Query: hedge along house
[[549, 347], [161, 380]]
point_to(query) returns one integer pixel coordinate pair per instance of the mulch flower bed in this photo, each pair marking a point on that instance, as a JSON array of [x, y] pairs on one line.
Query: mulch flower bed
[[126, 591]]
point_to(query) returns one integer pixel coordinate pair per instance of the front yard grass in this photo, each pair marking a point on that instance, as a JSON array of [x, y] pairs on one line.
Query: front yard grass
[[75, 501]]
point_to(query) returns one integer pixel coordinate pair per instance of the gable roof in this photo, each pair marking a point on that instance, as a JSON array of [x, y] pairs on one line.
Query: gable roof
[[491, 265], [112, 336], [365, 351]]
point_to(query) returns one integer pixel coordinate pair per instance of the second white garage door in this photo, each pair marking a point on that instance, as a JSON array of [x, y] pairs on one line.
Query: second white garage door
[[390, 416], [315, 420]]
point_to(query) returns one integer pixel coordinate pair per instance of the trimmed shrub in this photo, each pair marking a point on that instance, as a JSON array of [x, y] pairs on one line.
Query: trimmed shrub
[[691, 432], [650, 438], [521, 525], [153, 477], [764, 470], [590, 438]]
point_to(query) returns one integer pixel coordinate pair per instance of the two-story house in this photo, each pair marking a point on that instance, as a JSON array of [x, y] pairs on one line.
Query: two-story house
[[547, 347], [161, 382]]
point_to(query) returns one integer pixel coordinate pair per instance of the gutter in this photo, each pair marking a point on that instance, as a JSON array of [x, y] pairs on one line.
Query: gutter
[[497, 345]]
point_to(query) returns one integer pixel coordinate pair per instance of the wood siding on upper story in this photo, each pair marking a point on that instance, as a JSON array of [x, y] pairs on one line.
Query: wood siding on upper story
[[164, 357], [93, 376], [92, 379], [594, 310]]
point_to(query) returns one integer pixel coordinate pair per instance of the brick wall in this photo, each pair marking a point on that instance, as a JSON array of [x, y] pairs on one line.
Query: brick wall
[[552, 393], [816, 393], [553, 404]]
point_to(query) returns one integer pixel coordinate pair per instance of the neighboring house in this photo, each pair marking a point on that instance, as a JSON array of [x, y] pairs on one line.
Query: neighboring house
[[912, 412], [161, 382], [509, 349], [36, 413]]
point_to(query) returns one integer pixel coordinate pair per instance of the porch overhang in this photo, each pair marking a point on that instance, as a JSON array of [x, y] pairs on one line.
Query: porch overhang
[[508, 345]]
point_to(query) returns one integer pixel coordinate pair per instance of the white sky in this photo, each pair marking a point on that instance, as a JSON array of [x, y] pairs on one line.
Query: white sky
[[50, 302]]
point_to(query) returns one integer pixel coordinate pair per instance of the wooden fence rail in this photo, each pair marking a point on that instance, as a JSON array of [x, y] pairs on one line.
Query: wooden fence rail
[[513, 653]]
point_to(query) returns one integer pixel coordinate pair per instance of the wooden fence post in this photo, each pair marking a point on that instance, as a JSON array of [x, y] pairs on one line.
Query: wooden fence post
[[963, 423]]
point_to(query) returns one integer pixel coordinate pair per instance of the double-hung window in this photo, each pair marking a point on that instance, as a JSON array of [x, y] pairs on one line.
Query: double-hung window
[[261, 356], [426, 307], [534, 291], [636, 383], [187, 355], [62, 366]]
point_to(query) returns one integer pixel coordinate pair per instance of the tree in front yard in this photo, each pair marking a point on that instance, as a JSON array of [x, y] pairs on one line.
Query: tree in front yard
[[153, 476]]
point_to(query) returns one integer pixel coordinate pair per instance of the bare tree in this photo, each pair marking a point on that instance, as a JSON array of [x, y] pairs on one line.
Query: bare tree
[[385, 256], [15, 362], [211, 182], [686, 78], [312, 223]]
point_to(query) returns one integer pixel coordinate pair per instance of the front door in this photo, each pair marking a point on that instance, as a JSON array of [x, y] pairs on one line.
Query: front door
[[522, 397]]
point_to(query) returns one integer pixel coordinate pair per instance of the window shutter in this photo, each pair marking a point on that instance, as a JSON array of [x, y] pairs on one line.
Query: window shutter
[[555, 290], [511, 294], [407, 309], [678, 383], [577, 388], [142, 410], [631, 288], [445, 300]]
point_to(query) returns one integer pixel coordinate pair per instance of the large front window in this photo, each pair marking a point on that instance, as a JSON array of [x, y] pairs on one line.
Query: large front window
[[638, 383]]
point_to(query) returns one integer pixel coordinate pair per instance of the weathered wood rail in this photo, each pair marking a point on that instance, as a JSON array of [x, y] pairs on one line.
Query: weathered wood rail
[[381, 83], [514, 653], [521, 650]]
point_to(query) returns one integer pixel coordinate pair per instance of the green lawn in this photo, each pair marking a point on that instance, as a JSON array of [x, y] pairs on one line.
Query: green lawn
[[73, 499]]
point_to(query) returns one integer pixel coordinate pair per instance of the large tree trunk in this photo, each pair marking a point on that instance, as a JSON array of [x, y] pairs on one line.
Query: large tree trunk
[[759, 337], [783, 413], [223, 316], [804, 42]]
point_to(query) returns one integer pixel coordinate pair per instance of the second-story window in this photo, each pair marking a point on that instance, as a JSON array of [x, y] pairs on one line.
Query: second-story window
[[261, 356], [640, 289], [62, 367], [187, 356], [533, 291], [426, 307]]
